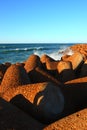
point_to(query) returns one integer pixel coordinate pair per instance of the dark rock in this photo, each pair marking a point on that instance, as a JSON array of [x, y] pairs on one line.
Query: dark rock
[[7, 64]]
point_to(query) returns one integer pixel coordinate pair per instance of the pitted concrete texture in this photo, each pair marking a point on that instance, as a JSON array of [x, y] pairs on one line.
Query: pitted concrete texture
[[76, 121]]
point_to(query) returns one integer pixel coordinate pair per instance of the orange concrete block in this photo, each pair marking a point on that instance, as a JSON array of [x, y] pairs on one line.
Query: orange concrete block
[[65, 71], [13, 77], [32, 62], [76, 121], [44, 101]]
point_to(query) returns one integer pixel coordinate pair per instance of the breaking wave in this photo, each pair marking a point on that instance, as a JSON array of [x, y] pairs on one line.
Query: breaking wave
[[56, 55], [20, 52], [23, 49]]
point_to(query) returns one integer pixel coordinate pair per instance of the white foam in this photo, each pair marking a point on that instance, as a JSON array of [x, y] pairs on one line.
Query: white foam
[[68, 51], [56, 55], [16, 49], [39, 53], [25, 49]]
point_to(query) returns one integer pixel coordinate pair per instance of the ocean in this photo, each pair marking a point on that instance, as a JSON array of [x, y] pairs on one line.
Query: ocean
[[20, 52]]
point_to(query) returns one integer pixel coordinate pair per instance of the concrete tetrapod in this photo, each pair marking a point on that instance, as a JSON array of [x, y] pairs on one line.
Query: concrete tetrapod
[[76, 121], [12, 118], [82, 48], [83, 71], [75, 94], [65, 71], [44, 101], [32, 62], [13, 77], [38, 75], [76, 59]]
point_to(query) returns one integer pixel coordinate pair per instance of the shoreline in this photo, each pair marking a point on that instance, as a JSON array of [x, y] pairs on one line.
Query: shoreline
[[45, 88]]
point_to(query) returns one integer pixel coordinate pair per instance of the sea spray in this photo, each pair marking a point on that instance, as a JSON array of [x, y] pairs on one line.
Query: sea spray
[[20, 52]]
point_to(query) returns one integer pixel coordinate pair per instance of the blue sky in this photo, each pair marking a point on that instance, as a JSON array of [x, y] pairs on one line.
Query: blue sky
[[48, 21]]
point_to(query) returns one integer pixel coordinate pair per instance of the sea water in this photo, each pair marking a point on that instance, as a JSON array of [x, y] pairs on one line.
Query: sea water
[[20, 52]]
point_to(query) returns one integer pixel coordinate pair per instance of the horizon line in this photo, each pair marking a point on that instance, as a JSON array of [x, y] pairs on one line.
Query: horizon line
[[43, 42]]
